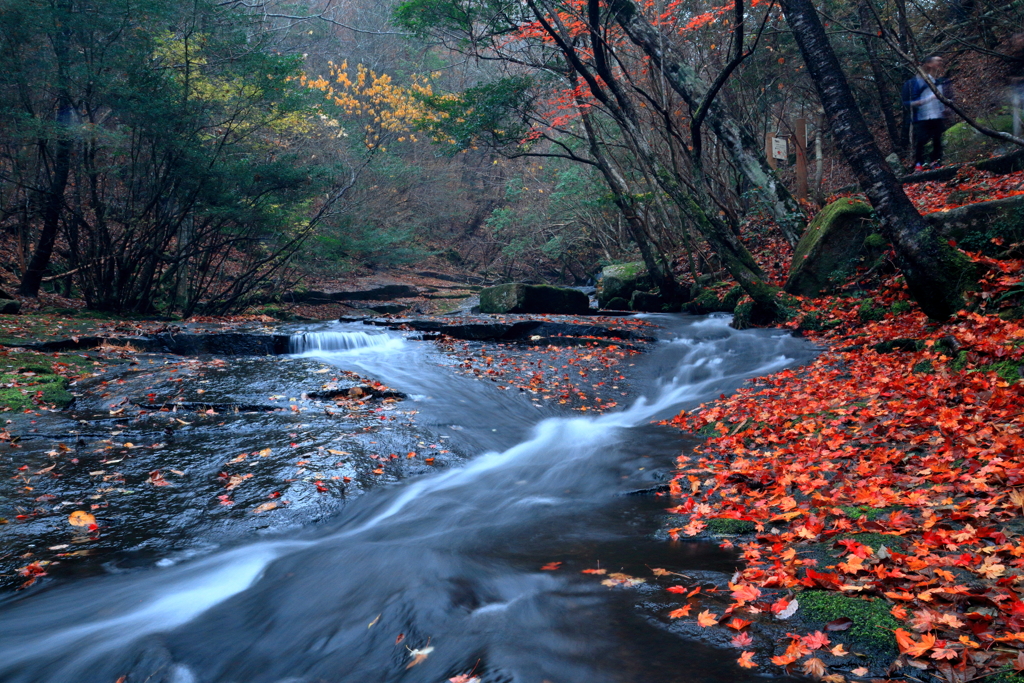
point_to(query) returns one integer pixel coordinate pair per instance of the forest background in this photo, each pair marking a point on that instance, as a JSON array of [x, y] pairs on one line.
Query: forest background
[[183, 159]]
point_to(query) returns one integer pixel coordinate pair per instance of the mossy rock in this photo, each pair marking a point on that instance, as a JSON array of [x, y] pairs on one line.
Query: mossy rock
[[831, 247], [617, 304], [873, 625], [705, 302], [651, 302], [620, 280], [53, 388], [962, 143], [519, 298]]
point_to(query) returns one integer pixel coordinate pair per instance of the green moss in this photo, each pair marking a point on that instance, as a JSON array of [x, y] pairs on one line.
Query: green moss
[[875, 241], [858, 511], [873, 625], [1007, 676], [730, 527], [1008, 370], [876, 541], [924, 367], [53, 388], [960, 362], [706, 302], [731, 298], [617, 304], [869, 311], [900, 307]]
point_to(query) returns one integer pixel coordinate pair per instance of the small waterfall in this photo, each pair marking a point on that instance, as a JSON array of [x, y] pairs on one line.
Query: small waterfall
[[332, 342]]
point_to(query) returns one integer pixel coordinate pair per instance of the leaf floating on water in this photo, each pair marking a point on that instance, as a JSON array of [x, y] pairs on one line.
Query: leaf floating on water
[[157, 479], [81, 518], [265, 452], [594, 571], [624, 580], [464, 678], [551, 566], [374, 622], [683, 611], [419, 655], [265, 507]]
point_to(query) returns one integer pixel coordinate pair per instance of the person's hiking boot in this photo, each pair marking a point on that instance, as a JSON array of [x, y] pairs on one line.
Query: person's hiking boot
[[918, 168]]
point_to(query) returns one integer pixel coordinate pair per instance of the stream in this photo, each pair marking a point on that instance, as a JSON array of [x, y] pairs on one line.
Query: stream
[[440, 574]]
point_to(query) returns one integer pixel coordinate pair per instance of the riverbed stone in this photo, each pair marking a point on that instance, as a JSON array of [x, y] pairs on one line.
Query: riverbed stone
[[650, 302], [831, 247], [516, 297], [620, 280]]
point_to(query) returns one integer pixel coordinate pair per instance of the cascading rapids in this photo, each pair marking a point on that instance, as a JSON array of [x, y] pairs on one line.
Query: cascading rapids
[[333, 342]]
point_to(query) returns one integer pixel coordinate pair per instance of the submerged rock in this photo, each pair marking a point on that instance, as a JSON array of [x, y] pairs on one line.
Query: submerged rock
[[521, 298]]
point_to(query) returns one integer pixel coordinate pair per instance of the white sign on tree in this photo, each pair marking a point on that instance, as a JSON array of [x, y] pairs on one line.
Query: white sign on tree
[[780, 150]]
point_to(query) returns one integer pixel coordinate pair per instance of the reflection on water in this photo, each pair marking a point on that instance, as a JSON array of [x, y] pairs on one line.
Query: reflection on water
[[448, 561]]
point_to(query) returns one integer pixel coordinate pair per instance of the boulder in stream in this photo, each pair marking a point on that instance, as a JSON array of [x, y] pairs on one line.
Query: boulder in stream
[[521, 298], [620, 280]]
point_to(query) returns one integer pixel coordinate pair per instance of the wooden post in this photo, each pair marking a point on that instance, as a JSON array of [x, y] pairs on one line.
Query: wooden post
[[801, 158], [768, 150]]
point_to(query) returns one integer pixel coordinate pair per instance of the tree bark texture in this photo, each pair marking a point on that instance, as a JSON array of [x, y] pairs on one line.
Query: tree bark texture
[[936, 274]]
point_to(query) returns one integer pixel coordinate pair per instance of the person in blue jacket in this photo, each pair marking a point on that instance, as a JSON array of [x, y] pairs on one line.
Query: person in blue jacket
[[929, 112]]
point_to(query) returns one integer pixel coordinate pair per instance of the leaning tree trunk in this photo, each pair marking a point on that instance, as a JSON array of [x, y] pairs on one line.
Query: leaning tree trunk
[[742, 148], [936, 274]]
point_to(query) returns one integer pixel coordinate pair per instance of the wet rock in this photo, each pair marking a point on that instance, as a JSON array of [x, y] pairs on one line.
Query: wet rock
[[9, 306], [381, 293], [651, 302], [617, 304], [382, 308], [620, 281], [182, 344], [521, 330], [831, 247], [521, 298]]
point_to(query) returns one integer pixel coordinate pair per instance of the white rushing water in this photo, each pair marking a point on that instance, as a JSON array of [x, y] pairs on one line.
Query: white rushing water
[[65, 635]]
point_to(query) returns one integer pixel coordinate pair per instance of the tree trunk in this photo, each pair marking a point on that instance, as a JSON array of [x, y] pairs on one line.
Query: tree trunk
[[936, 274], [33, 276], [744, 150]]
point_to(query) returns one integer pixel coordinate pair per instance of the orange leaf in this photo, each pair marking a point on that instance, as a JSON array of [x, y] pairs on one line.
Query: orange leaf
[[81, 518], [706, 619], [746, 660], [683, 611]]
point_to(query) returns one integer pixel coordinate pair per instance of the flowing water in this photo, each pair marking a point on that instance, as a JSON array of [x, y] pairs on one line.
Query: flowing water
[[446, 565]]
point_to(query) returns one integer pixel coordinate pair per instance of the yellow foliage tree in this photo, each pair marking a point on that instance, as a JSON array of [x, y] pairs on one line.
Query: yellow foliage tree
[[387, 109]]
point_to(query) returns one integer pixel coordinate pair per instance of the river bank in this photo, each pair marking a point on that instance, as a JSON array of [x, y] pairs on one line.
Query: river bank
[[876, 493]]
